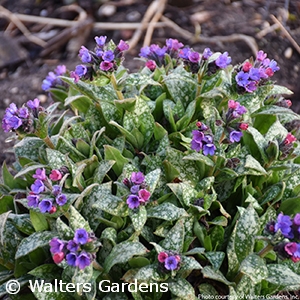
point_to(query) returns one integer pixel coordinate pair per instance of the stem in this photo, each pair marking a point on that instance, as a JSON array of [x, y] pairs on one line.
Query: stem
[[265, 251], [48, 142], [115, 86]]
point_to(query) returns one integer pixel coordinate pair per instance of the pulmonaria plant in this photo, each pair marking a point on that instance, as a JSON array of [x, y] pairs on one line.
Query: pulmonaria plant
[[77, 252], [187, 171]]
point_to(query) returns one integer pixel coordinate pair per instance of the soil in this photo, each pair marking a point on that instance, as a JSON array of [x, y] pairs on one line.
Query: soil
[[24, 65]]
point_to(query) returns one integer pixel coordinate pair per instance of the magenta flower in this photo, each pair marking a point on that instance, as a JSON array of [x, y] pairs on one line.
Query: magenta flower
[[261, 55], [55, 175], [144, 195], [123, 46], [162, 256], [173, 44], [194, 57], [151, 65], [58, 257], [106, 65]]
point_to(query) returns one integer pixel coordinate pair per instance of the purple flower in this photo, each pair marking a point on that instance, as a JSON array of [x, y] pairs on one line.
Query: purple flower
[[209, 149], [137, 177], [81, 236], [83, 260], [160, 52], [33, 104], [100, 40], [12, 123], [195, 145], [239, 110], [134, 189], [108, 56], [284, 223], [145, 51], [85, 55], [207, 53], [12, 109], [45, 205], [71, 259], [80, 70], [198, 136], [194, 57], [123, 46], [61, 199], [297, 219], [99, 52], [223, 60], [171, 263], [75, 76], [38, 186], [56, 245], [235, 136], [40, 174], [251, 86], [72, 246], [49, 81], [106, 65], [60, 70], [173, 44], [261, 55], [56, 190], [184, 53], [133, 201], [208, 139], [254, 74], [273, 65], [33, 200], [242, 78], [23, 113]]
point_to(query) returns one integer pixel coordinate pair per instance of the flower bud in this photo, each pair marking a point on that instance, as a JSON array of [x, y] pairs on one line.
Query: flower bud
[[58, 257]]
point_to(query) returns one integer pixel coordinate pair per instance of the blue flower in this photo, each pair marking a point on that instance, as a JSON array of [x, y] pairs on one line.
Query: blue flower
[[72, 246], [56, 190], [207, 53], [38, 186], [173, 44], [83, 260], [134, 189], [242, 78], [145, 52], [100, 40], [273, 65], [81, 236], [284, 223], [33, 104], [198, 136], [184, 53], [80, 70], [171, 263], [45, 205], [33, 200], [235, 136], [85, 55], [23, 113], [209, 149], [61, 199], [254, 74], [71, 259], [223, 60], [108, 56], [133, 201]]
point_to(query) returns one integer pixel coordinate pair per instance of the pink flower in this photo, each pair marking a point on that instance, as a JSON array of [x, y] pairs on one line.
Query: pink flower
[[232, 104], [162, 256], [243, 126], [288, 102], [55, 175], [290, 248], [247, 66], [289, 139], [151, 65], [144, 195], [58, 257]]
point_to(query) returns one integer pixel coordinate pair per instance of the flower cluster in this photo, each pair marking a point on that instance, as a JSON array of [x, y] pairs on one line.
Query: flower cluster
[[52, 80], [249, 75], [203, 140], [139, 195], [78, 252], [290, 230], [44, 194], [103, 58], [234, 113], [286, 147], [21, 118], [169, 261], [193, 61]]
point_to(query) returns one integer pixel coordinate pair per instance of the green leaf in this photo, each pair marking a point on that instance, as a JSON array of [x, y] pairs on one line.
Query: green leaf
[[46, 271], [152, 179], [175, 238], [138, 218], [279, 90], [22, 223], [209, 272], [122, 252], [215, 258], [195, 156], [126, 104], [114, 154], [39, 221], [185, 192], [290, 206], [149, 274], [76, 220], [79, 102], [253, 164], [254, 267], [29, 147], [55, 159], [166, 211], [246, 229], [34, 241], [64, 230], [182, 289]]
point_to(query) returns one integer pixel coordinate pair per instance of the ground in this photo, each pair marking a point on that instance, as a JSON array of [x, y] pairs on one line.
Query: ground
[[24, 65]]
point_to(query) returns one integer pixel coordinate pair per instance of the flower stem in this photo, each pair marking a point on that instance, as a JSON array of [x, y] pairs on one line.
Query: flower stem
[[114, 83], [48, 142], [263, 252]]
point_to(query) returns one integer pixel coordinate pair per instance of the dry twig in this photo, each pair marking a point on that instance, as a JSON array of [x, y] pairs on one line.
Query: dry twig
[[286, 33]]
